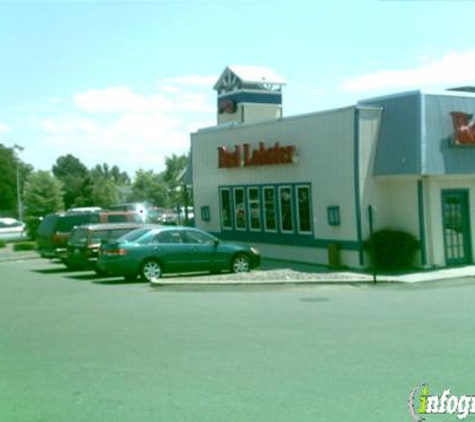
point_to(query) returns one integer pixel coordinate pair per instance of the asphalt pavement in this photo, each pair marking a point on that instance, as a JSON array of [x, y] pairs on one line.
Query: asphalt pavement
[[77, 348]]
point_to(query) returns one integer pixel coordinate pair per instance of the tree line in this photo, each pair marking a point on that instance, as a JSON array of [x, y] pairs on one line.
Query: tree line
[[71, 184]]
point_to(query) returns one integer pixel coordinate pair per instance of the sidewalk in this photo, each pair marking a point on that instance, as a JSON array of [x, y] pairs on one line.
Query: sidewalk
[[274, 271], [8, 254]]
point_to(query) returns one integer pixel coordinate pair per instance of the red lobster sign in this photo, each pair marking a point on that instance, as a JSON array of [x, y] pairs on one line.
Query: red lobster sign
[[464, 128]]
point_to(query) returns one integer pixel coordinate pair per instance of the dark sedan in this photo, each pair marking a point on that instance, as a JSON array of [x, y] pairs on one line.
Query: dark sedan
[[150, 252], [84, 242]]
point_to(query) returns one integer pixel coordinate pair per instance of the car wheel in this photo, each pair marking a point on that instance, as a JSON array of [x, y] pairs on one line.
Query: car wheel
[[240, 264], [151, 271], [99, 272], [69, 266]]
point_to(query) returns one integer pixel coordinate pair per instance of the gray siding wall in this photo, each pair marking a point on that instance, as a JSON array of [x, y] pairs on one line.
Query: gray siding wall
[[399, 147]]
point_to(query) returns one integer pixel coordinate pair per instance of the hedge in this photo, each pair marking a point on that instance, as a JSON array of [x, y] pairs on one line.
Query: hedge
[[392, 249]]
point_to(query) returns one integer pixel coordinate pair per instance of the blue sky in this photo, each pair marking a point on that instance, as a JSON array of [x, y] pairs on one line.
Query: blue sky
[[125, 82]]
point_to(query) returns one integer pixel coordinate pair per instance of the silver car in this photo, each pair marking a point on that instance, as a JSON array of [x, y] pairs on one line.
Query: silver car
[[12, 229]]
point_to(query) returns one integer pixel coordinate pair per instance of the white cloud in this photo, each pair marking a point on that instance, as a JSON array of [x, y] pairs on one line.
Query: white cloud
[[453, 69], [120, 100], [119, 126], [4, 128], [192, 102], [170, 88]]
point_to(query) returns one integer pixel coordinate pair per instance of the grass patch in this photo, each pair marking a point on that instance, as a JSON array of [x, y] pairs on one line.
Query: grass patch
[[24, 246]]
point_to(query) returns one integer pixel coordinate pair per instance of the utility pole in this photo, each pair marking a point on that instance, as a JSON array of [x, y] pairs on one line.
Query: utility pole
[[18, 186], [371, 232]]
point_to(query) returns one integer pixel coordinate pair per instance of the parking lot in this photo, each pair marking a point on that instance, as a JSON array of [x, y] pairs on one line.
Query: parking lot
[[74, 347]]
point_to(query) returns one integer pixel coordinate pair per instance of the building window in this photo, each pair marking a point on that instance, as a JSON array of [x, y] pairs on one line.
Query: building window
[[270, 224], [303, 209], [286, 209], [239, 209], [226, 208], [283, 209], [254, 204], [333, 214], [205, 213]]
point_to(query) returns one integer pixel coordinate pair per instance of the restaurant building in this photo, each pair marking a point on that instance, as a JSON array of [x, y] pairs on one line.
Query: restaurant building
[[305, 188]]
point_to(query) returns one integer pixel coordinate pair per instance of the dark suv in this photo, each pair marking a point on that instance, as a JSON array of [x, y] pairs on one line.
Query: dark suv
[[84, 242], [53, 233]]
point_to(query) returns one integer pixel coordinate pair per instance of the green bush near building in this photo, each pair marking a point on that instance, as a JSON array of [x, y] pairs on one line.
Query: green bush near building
[[392, 250], [3, 244]]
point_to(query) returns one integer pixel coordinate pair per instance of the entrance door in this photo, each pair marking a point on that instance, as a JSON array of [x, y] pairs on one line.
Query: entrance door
[[456, 225]]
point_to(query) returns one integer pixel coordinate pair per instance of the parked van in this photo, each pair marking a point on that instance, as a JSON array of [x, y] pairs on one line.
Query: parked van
[[53, 233]]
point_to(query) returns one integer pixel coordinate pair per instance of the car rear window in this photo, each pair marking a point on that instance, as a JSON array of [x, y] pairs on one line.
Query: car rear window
[[117, 218], [48, 225], [78, 237], [98, 235]]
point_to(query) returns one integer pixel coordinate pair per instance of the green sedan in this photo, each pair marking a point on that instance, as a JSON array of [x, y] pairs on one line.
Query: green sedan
[[152, 251]]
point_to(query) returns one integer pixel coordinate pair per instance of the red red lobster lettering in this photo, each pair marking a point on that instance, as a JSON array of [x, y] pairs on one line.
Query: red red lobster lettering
[[464, 129]]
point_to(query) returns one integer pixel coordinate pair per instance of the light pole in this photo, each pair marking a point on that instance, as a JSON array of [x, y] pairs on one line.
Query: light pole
[[18, 187]]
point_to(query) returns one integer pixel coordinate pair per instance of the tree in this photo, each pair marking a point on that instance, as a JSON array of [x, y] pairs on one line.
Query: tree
[[149, 187], [174, 166], [113, 173], [73, 174], [43, 194], [9, 163], [119, 177]]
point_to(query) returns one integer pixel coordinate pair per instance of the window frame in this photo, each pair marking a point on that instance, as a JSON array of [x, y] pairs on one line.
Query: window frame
[[231, 208], [250, 202], [274, 208], [297, 207], [235, 209], [292, 211]]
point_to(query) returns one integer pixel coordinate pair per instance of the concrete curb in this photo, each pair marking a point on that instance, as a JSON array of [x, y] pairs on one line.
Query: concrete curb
[[190, 283]]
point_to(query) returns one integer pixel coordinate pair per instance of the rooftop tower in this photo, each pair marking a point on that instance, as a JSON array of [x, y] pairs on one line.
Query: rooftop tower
[[249, 94]]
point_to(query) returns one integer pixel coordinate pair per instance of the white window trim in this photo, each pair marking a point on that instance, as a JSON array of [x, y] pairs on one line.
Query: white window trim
[[249, 203]]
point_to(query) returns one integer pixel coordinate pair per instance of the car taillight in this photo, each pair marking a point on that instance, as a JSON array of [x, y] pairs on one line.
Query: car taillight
[[114, 252]]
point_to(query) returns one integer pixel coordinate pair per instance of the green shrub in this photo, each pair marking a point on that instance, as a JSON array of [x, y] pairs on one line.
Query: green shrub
[[3, 244], [32, 224], [24, 246], [392, 249]]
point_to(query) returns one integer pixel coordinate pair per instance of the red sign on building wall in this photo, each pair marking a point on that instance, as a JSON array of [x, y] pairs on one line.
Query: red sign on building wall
[[242, 156], [464, 128]]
